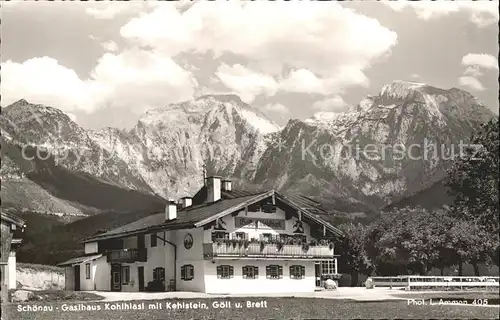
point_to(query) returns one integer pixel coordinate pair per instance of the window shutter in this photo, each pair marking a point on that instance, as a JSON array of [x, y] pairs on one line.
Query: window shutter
[[155, 275], [280, 271], [183, 272], [256, 272], [231, 271], [243, 272], [291, 272], [192, 272], [219, 271], [268, 271], [303, 271]]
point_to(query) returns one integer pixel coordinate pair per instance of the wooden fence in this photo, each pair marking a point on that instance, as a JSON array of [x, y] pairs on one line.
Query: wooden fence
[[429, 282]]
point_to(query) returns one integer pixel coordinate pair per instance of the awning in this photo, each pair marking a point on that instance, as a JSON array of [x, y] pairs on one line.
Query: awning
[[75, 261]]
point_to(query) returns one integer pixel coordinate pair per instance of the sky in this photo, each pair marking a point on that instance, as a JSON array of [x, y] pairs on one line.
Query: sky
[[106, 63]]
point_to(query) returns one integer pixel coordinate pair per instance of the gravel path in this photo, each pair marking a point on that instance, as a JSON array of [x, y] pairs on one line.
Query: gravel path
[[358, 294]]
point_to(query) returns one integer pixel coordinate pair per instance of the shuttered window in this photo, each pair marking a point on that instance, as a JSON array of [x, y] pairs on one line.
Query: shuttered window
[[153, 240], [125, 274], [87, 271], [225, 272], [274, 271], [220, 235], [297, 272], [187, 272], [250, 272]]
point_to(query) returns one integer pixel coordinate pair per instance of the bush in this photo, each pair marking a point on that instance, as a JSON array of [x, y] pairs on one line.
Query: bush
[[155, 286]]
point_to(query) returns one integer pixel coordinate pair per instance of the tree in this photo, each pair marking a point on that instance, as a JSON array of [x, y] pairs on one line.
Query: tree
[[410, 240], [474, 179], [473, 244], [354, 256]]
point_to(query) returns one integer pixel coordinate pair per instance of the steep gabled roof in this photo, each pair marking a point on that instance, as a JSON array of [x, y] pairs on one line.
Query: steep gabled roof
[[186, 218], [79, 260], [202, 213], [13, 219]]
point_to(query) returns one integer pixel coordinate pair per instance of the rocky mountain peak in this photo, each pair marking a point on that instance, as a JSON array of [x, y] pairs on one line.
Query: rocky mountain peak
[[231, 98]]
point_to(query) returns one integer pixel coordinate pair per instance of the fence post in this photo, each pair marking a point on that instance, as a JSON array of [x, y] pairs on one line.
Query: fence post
[[409, 285], [390, 282]]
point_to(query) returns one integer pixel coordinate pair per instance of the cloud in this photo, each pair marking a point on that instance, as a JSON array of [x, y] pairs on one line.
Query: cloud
[[245, 82], [473, 71], [250, 83], [332, 104], [110, 46], [45, 81], [132, 79], [329, 51], [276, 107], [416, 76], [331, 45], [110, 10], [475, 63], [480, 60], [481, 13], [471, 82]]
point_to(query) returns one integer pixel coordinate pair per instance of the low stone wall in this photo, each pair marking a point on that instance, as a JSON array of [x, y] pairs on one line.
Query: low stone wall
[[39, 277]]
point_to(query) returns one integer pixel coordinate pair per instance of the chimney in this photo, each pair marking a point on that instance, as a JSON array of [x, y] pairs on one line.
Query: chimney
[[186, 202], [226, 185], [213, 188], [170, 210]]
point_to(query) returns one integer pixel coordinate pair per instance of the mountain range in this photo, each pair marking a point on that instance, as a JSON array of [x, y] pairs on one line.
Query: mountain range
[[389, 147]]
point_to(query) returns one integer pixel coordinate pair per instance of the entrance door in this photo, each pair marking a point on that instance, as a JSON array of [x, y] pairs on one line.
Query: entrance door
[[116, 277], [140, 271], [77, 278], [317, 274]]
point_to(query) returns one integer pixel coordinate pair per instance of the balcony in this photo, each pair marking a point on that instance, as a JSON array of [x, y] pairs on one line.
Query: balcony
[[266, 250], [127, 255]]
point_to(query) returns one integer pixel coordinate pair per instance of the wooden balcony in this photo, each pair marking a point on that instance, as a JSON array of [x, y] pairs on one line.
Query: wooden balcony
[[127, 255], [271, 251]]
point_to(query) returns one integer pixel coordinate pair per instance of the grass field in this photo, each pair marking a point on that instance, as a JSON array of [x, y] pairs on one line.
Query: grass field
[[273, 308]]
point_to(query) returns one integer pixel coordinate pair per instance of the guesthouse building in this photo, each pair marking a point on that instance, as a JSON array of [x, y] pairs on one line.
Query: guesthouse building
[[219, 241]]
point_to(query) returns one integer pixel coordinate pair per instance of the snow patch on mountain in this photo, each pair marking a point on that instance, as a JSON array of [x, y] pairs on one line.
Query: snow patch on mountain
[[260, 123]]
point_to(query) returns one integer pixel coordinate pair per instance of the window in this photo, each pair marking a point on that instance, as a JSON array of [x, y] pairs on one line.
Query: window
[[240, 235], [159, 274], [274, 272], [219, 235], [187, 272], [153, 240], [328, 267], [266, 236], [297, 272], [225, 272], [87, 271], [125, 275], [300, 237], [250, 272]]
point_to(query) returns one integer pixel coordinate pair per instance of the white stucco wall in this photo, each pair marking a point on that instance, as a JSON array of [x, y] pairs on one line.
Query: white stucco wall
[[161, 256], [193, 256], [11, 263], [101, 274], [260, 285], [91, 247]]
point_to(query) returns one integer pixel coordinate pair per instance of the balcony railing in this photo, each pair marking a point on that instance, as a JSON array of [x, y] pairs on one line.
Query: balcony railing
[[127, 255], [267, 250]]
